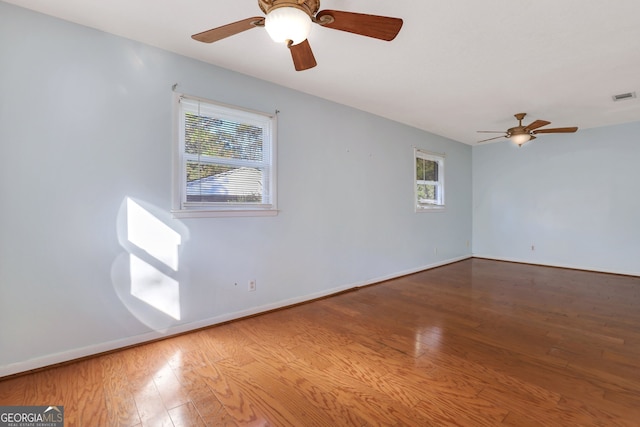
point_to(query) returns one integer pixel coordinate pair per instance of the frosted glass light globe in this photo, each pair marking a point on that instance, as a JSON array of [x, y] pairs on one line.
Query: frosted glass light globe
[[520, 138], [288, 23]]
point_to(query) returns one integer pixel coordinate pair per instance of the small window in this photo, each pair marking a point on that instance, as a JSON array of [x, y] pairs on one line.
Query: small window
[[225, 162], [429, 176]]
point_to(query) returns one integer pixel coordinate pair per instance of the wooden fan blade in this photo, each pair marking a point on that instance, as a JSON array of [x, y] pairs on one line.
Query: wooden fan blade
[[490, 139], [225, 31], [302, 55], [378, 27], [537, 124], [557, 130]]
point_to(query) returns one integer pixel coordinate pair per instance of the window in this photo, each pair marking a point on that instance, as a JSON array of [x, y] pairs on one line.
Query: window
[[225, 162], [429, 175]]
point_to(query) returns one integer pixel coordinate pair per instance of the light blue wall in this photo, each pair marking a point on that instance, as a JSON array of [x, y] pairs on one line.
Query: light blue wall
[[85, 123], [574, 197]]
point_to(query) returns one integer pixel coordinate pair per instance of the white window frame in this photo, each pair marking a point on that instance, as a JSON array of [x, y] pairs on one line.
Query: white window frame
[[437, 204], [181, 208]]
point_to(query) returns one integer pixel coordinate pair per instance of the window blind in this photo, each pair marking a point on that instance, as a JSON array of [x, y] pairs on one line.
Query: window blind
[[226, 155]]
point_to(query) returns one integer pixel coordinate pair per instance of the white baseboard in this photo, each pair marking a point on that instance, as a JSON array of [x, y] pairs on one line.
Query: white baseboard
[[66, 356], [558, 265]]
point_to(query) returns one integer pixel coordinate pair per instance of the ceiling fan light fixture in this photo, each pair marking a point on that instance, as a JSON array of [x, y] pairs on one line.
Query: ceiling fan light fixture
[[288, 23], [520, 138]]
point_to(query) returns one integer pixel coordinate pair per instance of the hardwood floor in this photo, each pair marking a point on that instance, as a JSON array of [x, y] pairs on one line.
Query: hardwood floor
[[478, 342]]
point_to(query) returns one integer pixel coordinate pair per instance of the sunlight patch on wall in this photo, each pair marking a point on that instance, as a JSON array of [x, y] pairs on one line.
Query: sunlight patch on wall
[[152, 235], [147, 276], [160, 245], [154, 287]]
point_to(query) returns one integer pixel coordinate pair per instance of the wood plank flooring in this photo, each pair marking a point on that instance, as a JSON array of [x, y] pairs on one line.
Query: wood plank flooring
[[475, 343]]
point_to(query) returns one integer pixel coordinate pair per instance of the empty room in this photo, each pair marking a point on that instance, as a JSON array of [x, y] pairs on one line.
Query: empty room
[[288, 213]]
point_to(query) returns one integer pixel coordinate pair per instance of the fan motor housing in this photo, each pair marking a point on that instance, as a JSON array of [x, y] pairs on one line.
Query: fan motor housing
[[516, 130], [310, 7]]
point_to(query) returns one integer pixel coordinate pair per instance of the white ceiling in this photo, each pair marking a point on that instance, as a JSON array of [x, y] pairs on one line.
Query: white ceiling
[[456, 67]]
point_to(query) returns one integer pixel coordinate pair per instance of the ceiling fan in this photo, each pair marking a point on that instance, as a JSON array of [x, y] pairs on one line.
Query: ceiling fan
[[290, 21], [522, 134]]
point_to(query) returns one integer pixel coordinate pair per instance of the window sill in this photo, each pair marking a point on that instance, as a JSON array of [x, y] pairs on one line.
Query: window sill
[[430, 209], [221, 213]]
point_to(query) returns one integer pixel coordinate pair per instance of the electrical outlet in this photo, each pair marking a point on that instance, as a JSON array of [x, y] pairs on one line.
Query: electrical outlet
[[252, 285], [435, 251]]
